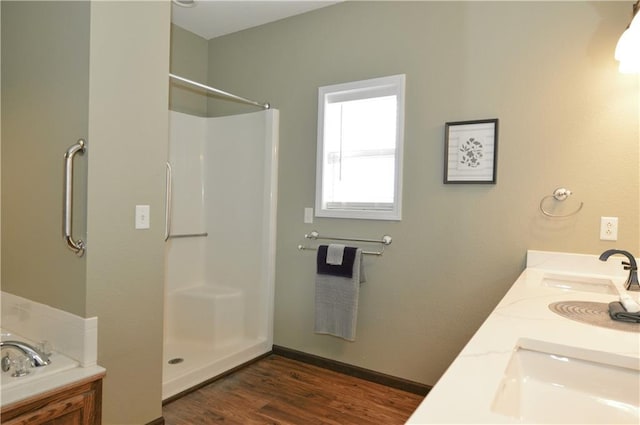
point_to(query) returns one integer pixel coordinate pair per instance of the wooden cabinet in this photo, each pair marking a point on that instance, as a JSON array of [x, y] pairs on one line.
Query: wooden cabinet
[[79, 403]]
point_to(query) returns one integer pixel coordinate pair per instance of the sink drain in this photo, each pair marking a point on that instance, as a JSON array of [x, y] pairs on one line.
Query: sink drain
[[177, 360], [592, 313]]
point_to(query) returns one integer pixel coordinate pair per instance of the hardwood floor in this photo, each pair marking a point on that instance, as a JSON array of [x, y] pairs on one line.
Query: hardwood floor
[[278, 390]]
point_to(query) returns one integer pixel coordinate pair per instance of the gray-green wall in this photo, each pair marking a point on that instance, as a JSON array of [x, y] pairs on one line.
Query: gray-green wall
[[567, 118], [189, 60], [45, 103], [95, 70], [545, 69]]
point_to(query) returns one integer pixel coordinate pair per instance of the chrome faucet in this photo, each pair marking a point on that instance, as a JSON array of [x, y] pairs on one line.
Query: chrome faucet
[[632, 281], [37, 358]]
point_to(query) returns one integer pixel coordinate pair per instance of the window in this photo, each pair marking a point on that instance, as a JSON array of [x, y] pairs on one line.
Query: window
[[360, 137]]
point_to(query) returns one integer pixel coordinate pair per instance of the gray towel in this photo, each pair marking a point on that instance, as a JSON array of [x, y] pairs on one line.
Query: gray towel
[[336, 302], [618, 312]]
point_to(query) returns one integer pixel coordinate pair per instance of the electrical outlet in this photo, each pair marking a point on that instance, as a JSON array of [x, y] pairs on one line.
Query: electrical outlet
[[609, 228]]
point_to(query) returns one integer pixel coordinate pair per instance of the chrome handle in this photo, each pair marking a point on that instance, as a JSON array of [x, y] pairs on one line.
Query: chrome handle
[[67, 208], [167, 209], [189, 235]]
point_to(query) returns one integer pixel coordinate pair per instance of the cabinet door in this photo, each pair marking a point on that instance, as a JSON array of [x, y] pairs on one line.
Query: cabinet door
[[73, 406]]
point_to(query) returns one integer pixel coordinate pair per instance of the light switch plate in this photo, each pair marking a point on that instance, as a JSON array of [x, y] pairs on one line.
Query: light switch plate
[[308, 215], [142, 217]]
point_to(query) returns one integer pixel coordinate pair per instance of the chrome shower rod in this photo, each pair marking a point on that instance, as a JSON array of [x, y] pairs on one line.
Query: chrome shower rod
[[221, 92]]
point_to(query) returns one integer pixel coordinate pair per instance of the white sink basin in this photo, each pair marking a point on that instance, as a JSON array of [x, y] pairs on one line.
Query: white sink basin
[[579, 283], [552, 383]]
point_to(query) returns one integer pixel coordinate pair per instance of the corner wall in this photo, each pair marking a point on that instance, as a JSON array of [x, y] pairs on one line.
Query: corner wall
[[567, 118], [128, 133]]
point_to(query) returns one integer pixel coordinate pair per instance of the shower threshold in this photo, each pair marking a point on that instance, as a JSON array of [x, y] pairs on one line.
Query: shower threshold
[[202, 362]]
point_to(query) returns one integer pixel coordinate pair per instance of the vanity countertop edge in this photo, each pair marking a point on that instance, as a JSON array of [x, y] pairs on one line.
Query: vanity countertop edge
[[465, 392], [37, 388]]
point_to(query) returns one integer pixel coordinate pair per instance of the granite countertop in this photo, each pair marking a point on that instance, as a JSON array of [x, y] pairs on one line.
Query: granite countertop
[[468, 389]]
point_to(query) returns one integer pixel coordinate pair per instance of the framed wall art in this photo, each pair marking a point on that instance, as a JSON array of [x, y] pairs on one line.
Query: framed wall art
[[471, 151]]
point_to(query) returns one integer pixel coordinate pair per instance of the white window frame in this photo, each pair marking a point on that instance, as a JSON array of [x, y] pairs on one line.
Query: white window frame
[[376, 87]]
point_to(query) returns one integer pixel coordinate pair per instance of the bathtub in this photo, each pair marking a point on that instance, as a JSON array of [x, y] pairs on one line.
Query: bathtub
[[61, 371]]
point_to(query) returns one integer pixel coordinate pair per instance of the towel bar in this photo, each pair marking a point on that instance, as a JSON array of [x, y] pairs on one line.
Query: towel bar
[[308, 248], [386, 240]]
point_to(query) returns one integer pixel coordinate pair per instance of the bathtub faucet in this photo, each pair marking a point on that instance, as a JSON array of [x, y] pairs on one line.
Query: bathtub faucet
[[37, 358], [632, 281]]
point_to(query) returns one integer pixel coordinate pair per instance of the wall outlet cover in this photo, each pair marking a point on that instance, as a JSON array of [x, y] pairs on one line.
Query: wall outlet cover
[[609, 228]]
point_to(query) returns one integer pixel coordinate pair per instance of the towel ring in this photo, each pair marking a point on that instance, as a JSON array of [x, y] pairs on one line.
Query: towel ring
[[560, 194]]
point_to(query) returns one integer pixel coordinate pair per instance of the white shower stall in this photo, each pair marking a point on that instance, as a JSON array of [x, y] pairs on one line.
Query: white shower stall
[[220, 254]]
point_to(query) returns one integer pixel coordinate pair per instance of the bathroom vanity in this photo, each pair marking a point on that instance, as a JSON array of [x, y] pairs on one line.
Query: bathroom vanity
[[77, 403], [548, 353]]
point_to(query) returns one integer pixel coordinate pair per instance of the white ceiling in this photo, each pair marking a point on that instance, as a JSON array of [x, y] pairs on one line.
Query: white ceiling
[[213, 18]]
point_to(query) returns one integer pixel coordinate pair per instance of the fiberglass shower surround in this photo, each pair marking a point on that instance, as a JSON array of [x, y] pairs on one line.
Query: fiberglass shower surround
[[220, 274]]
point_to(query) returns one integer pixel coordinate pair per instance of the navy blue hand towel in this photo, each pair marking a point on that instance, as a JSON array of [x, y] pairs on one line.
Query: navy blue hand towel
[[345, 269]]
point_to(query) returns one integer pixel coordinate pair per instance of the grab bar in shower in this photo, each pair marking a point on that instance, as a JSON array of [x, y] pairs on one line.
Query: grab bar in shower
[[167, 208], [188, 235], [77, 246]]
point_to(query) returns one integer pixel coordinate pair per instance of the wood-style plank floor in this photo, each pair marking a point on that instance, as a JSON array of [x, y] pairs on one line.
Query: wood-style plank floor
[[278, 390]]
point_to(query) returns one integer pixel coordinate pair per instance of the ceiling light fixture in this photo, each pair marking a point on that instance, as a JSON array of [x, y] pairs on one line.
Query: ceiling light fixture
[[628, 47], [184, 3]]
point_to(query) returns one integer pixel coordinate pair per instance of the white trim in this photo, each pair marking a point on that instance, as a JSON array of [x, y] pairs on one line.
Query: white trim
[[376, 87]]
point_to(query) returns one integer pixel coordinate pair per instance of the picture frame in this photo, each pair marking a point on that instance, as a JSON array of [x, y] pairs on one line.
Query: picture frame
[[471, 151]]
